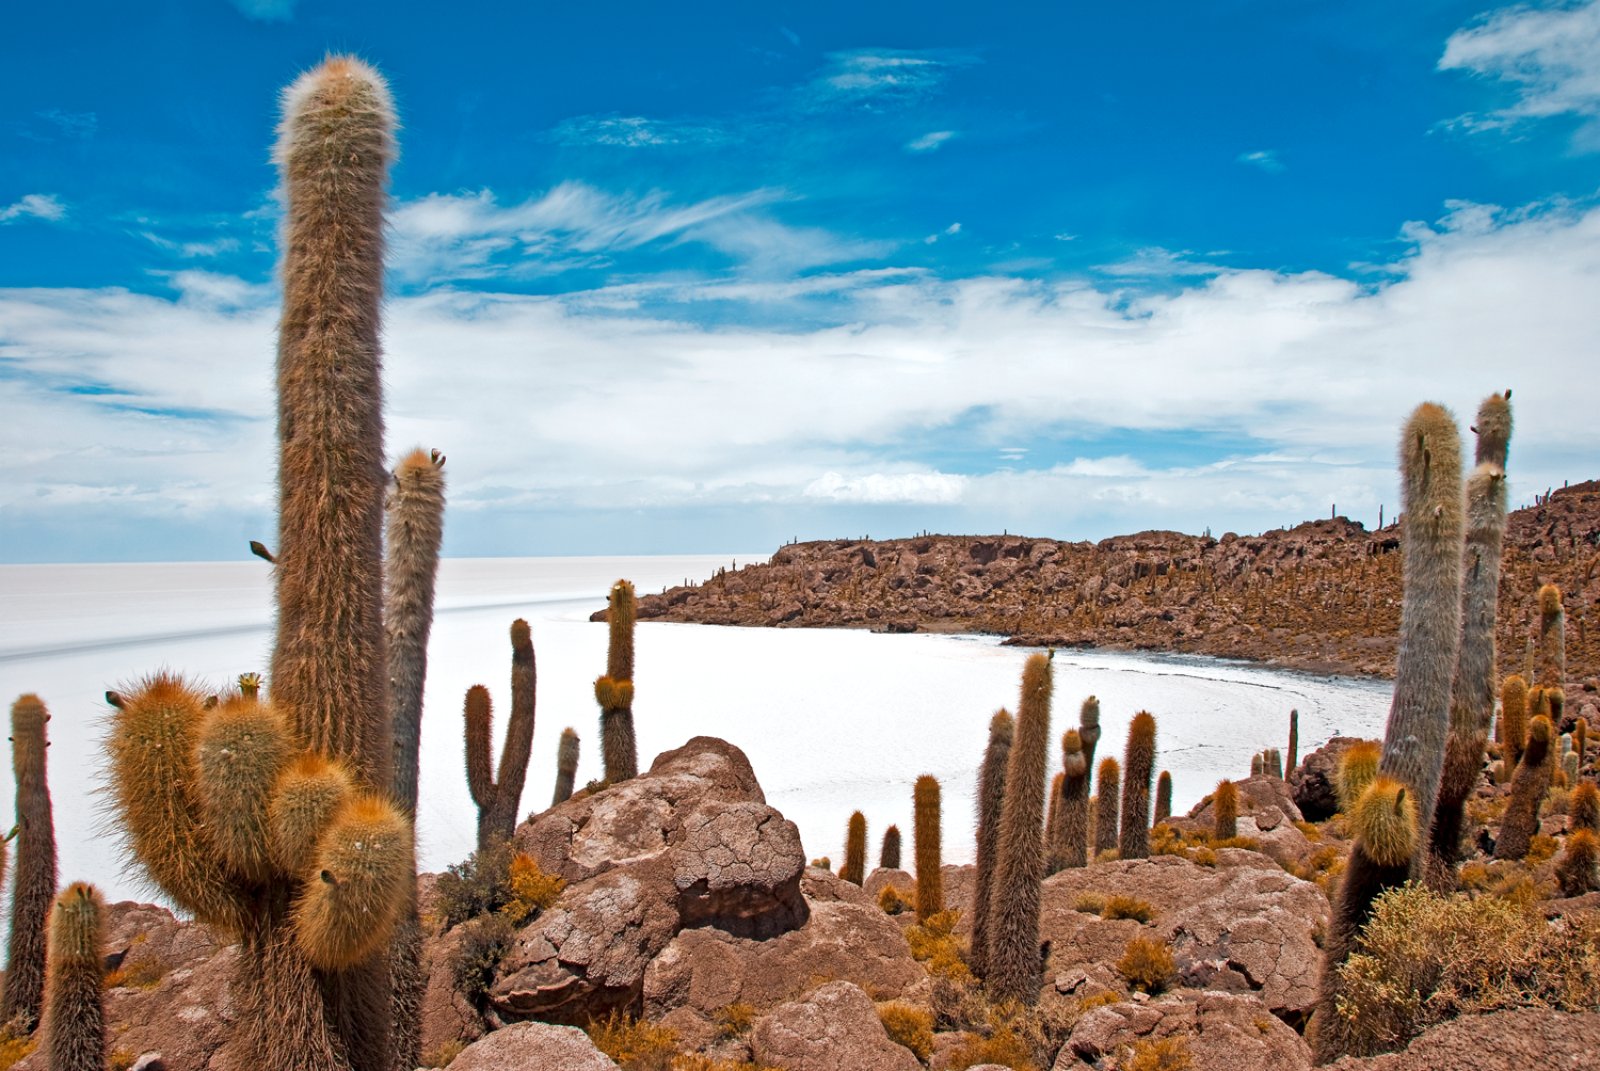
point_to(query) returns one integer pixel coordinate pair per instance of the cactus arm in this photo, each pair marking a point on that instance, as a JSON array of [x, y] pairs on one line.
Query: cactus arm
[[479, 714], [513, 769]]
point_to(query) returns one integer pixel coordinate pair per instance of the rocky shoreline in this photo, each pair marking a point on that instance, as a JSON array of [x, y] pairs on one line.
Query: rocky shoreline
[[1323, 596]]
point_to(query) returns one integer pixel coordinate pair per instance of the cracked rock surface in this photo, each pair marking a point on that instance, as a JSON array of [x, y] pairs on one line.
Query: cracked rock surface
[[1221, 1032], [834, 1028]]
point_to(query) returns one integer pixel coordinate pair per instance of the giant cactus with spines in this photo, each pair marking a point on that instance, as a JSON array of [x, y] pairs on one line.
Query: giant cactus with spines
[[1225, 811], [619, 747], [855, 850], [1014, 967], [35, 887], [1528, 787], [1106, 805], [413, 535], [889, 853], [1089, 728], [991, 801], [1432, 540], [566, 765], [926, 846], [313, 986], [1074, 800], [1513, 720], [1133, 840], [75, 1014], [498, 793], [1552, 638]]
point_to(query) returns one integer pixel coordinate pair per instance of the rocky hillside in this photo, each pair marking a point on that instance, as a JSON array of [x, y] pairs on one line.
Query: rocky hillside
[[1322, 596]]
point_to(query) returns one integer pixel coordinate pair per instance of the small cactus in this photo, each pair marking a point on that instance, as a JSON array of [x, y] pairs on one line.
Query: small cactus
[[1552, 638], [619, 749], [1258, 764], [1089, 728], [1273, 764], [1225, 811], [1528, 787], [889, 854], [566, 765], [1580, 740], [1105, 815], [925, 836], [35, 887], [75, 1016], [1140, 758], [855, 850], [991, 800], [1583, 810], [1578, 869], [1513, 718], [1163, 798]]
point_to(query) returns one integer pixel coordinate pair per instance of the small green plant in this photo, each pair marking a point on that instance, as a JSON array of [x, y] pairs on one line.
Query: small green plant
[[910, 1026], [1147, 965], [478, 885]]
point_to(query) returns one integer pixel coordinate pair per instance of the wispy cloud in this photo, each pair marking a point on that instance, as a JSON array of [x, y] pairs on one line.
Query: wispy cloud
[[637, 132], [930, 141], [1266, 159], [1154, 262], [949, 232], [45, 206], [880, 488], [1548, 55], [266, 10], [882, 77]]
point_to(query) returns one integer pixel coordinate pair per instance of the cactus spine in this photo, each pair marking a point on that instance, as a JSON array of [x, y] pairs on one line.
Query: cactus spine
[[1552, 638], [35, 886], [1432, 541], [1225, 811], [1528, 787], [1163, 797], [991, 800], [925, 837], [1105, 814], [1140, 761], [566, 765], [618, 747], [1014, 967], [889, 854], [75, 1015], [1074, 847], [855, 850], [1292, 760], [498, 800], [303, 1005]]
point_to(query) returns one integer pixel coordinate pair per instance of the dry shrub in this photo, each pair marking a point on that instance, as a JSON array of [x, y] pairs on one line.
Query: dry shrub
[[910, 1026], [1249, 844], [13, 1048], [1424, 959], [1541, 849], [1165, 1054], [894, 901], [478, 885], [634, 1044], [1312, 831], [1101, 999], [1090, 903], [441, 1056], [958, 1003], [121, 1059], [484, 943], [145, 972], [1003, 1046], [1147, 965], [935, 945], [1128, 907], [530, 890], [696, 1062], [1167, 840], [735, 1019]]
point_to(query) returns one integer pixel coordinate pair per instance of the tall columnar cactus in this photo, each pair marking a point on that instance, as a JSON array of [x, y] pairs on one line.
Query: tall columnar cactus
[[614, 692], [1140, 760], [889, 851], [1105, 814], [1272, 763], [313, 989], [1258, 764], [1089, 728], [1432, 539], [1054, 833], [1472, 689], [1513, 720], [1163, 798], [855, 850], [1580, 740], [1552, 638], [498, 800], [414, 533], [1015, 967], [1225, 811], [566, 765], [1528, 787], [75, 1015], [1074, 847], [1292, 759], [1583, 810], [991, 799], [925, 838], [35, 869]]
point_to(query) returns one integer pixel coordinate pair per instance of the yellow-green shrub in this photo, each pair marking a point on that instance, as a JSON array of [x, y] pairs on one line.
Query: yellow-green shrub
[[1147, 964], [910, 1026], [1163, 1054]]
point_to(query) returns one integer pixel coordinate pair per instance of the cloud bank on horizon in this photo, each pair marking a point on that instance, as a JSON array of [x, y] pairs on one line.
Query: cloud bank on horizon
[[879, 290]]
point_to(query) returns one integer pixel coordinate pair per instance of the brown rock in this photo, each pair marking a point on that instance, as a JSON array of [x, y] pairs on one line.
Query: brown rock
[[1221, 1031], [534, 1047], [1504, 1041], [737, 867], [880, 879], [823, 886], [835, 1028], [446, 1016], [1313, 782]]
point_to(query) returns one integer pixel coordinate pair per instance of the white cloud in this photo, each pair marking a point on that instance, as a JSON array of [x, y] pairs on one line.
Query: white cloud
[[45, 206], [636, 132], [1549, 56], [930, 141], [875, 78], [1266, 159], [879, 488]]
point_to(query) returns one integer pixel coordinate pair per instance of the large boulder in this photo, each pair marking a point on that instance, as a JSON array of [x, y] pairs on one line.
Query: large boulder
[[834, 1028], [1504, 1041], [1219, 1032], [534, 1047], [1313, 781], [1244, 924], [447, 1017], [692, 843]]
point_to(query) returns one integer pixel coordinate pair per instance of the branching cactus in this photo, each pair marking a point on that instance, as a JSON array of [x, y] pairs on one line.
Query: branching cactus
[[1552, 638], [1140, 759], [1106, 805], [498, 800], [1014, 966], [614, 692], [566, 765], [1163, 798], [1528, 787], [991, 800], [926, 845], [855, 850], [889, 853], [35, 887], [1074, 848], [1225, 811], [191, 784], [75, 1014]]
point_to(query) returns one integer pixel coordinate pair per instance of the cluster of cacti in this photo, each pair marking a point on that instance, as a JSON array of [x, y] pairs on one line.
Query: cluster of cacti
[[35, 887], [926, 846], [1133, 840], [855, 850], [889, 852], [1106, 803], [1163, 798], [75, 1016], [272, 820], [566, 765], [1272, 763], [1529, 784], [1014, 967], [498, 800], [991, 799], [619, 750], [1225, 811], [1432, 542]]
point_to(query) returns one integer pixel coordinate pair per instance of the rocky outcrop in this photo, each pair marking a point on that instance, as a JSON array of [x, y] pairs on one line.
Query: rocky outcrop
[[691, 843], [1322, 596], [1504, 1041], [534, 1047], [834, 1028], [1314, 781], [1218, 1032]]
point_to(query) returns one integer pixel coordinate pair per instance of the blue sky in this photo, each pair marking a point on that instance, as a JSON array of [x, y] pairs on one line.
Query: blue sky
[[711, 277]]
